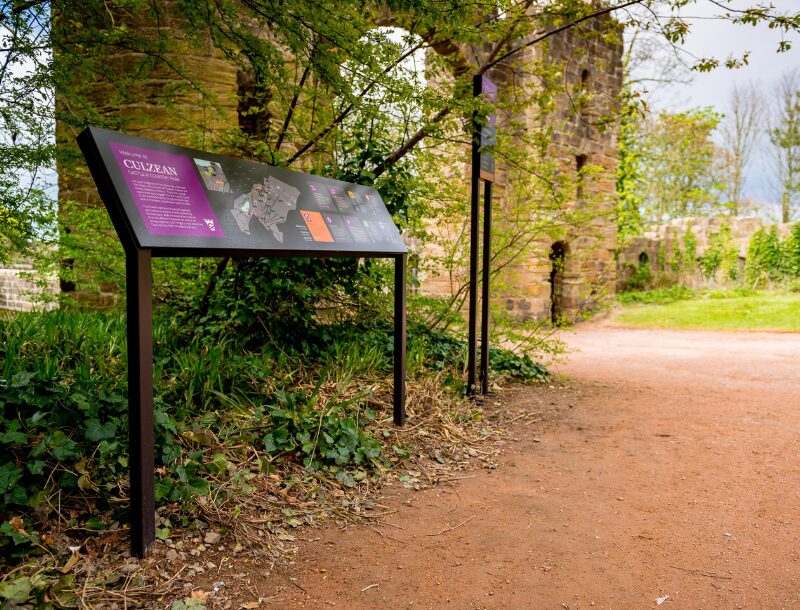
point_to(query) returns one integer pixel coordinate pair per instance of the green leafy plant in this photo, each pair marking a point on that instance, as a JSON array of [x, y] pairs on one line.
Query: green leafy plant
[[657, 296], [721, 255], [764, 261]]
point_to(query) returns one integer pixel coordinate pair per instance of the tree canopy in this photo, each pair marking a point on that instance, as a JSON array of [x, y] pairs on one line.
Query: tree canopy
[[317, 75]]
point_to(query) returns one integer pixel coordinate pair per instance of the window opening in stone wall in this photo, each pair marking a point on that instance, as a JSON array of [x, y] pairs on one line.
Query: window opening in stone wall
[[580, 171], [558, 256], [585, 80], [644, 260], [581, 98]]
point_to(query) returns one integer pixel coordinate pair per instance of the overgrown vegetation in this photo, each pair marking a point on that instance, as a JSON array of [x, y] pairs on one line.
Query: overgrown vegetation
[[772, 260], [657, 296], [721, 258], [229, 408]]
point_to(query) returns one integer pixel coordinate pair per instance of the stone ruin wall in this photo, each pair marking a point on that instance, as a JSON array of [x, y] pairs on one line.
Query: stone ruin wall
[[19, 291], [589, 60], [589, 268], [656, 246], [187, 122]]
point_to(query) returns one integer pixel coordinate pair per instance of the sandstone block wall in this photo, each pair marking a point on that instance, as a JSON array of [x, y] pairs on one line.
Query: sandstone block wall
[[18, 291], [189, 104], [585, 143], [657, 245], [583, 123]]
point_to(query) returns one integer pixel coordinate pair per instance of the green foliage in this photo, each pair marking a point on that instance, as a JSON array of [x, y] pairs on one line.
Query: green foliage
[[784, 136], [40, 590], [661, 257], [721, 256], [719, 310], [678, 175], [63, 403], [791, 251], [629, 200], [442, 351], [765, 259], [62, 407], [730, 293], [689, 249], [640, 277], [676, 263], [517, 367], [321, 437], [27, 150], [657, 296]]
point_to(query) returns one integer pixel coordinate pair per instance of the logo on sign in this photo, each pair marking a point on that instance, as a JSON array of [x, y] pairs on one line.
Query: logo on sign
[[210, 224]]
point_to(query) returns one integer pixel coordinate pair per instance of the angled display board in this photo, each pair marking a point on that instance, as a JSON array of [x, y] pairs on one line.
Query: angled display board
[[183, 200], [171, 201]]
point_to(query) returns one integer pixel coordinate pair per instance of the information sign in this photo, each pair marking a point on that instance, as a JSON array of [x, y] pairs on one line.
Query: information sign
[[175, 198], [168, 200]]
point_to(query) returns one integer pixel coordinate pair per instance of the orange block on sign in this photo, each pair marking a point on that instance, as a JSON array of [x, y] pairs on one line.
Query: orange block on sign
[[316, 226]]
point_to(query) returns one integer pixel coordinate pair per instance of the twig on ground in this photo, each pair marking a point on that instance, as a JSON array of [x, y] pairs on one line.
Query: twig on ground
[[382, 535], [399, 527], [455, 489], [298, 585], [450, 529], [705, 573], [521, 415], [449, 479]]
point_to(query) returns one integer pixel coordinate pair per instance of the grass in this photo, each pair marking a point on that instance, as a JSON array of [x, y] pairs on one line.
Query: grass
[[733, 310]]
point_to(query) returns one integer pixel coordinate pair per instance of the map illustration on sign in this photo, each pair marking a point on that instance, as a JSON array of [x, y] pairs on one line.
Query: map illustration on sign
[[213, 176], [270, 202]]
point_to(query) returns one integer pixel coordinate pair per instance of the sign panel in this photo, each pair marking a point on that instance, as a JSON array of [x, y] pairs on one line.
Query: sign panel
[[488, 131], [175, 198]]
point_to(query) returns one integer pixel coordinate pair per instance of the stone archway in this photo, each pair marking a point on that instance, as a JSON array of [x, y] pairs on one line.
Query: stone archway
[[558, 257]]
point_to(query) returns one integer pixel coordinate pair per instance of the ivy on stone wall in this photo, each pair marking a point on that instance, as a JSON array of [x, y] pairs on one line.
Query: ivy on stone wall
[[771, 259], [721, 258], [689, 249]]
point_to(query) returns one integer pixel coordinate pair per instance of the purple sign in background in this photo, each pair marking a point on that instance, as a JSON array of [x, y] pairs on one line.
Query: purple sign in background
[[489, 131], [167, 192]]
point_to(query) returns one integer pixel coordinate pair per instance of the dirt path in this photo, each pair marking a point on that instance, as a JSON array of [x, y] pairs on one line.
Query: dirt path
[[668, 466]]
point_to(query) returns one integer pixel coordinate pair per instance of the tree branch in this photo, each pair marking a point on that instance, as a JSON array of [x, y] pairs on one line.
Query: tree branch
[[539, 38], [294, 101]]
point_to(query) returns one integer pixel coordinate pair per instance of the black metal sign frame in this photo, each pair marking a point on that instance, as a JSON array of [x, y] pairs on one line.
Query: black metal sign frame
[[483, 168], [139, 251]]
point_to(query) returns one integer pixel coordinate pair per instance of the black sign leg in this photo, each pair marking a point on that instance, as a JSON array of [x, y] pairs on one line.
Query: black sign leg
[[140, 401], [400, 263], [487, 265]]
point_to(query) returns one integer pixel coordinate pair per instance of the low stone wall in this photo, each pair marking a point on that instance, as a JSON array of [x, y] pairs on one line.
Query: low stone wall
[[657, 246], [18, 291]]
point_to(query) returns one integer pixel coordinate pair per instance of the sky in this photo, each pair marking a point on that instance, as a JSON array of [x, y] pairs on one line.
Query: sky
[[710, 37]]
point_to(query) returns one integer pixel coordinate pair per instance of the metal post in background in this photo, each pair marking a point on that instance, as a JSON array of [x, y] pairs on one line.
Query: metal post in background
[[474, 227], [140, 400], [400, 264], [487, 265]]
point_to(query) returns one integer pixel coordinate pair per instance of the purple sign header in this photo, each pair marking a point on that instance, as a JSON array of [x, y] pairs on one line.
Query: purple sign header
[[167, 192]]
